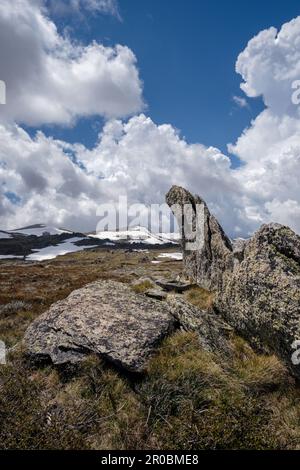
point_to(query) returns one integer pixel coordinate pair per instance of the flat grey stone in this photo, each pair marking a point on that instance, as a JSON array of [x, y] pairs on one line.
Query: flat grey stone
[[104, 317], [175, 286]]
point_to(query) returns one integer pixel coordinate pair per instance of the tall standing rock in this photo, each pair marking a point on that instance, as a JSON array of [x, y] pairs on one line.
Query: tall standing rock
[[207, 251]]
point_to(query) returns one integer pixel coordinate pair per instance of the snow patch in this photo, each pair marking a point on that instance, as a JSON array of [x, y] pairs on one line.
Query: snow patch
[[52, 252], [138, 235], [175, 256]]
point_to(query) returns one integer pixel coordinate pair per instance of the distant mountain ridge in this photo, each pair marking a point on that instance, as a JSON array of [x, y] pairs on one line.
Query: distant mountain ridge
[[40, 241]]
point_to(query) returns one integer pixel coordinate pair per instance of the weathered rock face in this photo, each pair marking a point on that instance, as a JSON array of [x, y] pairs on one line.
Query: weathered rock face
[[106, 318], [261, 298], [207, 251], [214, 334]]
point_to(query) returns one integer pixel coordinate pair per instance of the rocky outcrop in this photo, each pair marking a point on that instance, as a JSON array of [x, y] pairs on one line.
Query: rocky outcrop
[[261, 298], [207, 251], [106, 318], [257, 281]]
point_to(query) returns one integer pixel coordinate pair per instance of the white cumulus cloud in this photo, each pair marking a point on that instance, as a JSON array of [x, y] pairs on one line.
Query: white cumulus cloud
[[270, 147], [53, 80], [65, 184]]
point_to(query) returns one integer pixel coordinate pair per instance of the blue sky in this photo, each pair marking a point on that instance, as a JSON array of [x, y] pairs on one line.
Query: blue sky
[[186, 54]]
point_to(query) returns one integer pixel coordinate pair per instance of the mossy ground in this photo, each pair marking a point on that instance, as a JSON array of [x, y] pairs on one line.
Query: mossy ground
[[189, 399]]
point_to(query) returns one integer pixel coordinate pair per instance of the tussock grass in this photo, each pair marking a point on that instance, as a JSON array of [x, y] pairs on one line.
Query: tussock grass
[[259, 373], [189, 399], [199, 297], [142, 287], [196, 402]]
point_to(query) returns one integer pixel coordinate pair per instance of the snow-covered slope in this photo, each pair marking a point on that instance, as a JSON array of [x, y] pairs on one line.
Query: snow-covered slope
[[137, 235], [47, 243], [176, 256], [51, 252]]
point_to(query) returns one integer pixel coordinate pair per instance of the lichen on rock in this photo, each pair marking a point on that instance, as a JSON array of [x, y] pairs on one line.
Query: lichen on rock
[[207, 251], [106, 318]]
